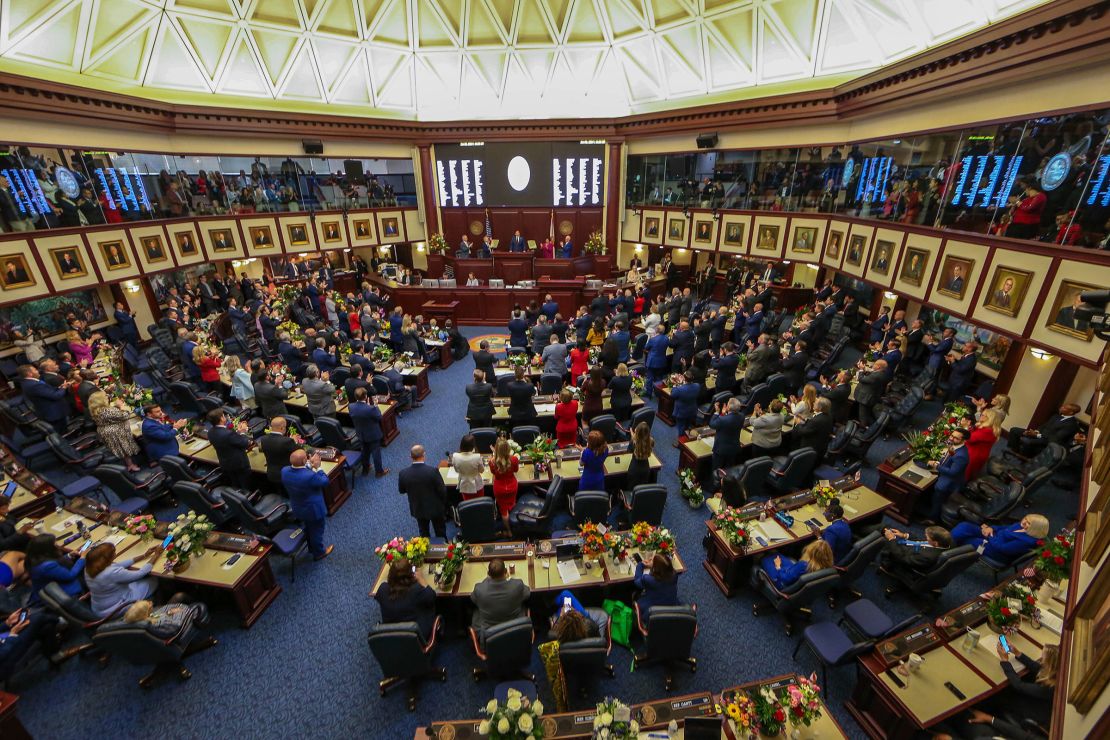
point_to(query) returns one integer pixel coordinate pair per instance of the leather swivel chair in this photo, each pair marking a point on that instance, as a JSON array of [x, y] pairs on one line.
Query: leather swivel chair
[[607, 425], [793, 601], [645, 503], [477, 519], [590, 506], [178, 469], [266, 516], [584, 659], [533, 514], [505, 650], [929, 584], [669, 633], [138, 643], [793, 470], [404, 656], [485, 438], [525, 435], [551, 384], [201, 500]]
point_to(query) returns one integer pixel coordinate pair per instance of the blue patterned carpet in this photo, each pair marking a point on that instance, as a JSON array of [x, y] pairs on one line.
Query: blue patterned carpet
[[304, 669]]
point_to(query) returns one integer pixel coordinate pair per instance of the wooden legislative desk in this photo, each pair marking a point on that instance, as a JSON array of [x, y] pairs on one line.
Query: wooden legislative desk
[[298, 404], [249, 583], [905, 485], [887, 710], [10, 726], [616, 466], [31, 496], [545, 408], [731, 568], [695, 451], [532, 563], [654, 715]]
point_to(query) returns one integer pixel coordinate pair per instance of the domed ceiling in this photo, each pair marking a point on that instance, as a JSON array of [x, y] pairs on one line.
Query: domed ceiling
[[461, 59]]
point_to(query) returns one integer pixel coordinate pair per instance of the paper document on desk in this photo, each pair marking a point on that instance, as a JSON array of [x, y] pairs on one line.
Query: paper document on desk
[[771, 531], [568, 571], [114, 539], [1052, 622], [452, 475]]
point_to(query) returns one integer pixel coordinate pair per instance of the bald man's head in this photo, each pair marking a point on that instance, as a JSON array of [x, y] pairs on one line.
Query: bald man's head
[[278, 424], [417, 452], [298, 458]]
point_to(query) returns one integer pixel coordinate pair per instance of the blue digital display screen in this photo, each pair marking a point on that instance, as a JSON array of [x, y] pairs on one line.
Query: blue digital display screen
[[985, 180], [873, 178], [26, 192], [1100, 183], [125, 191]]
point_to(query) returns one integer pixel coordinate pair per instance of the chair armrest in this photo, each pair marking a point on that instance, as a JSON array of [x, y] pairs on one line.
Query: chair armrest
[[475, 643], [436, 626], [639, 621], [158, 477], [282, 507]]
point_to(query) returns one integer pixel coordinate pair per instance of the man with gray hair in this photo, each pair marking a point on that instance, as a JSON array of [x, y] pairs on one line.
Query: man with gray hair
[[554, 357], [319, 391], [405, 395], [816, 430], [426, 492]]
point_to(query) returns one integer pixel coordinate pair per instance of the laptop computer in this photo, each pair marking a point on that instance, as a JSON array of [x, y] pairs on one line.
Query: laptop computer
[[702, 728]]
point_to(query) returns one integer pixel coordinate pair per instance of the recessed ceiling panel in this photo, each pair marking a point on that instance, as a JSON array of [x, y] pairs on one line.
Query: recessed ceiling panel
[[520, 58]]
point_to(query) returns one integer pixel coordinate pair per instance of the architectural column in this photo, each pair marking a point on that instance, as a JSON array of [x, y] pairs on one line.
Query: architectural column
[[1010, 364], [428, 190], [614, 206]]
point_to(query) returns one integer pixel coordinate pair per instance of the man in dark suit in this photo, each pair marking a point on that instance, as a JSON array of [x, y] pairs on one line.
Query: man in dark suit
[[1059, 429], [951, 472], [305, 482], [794, 366], [159, 433], [231, 447], [270, 394], [541, 335], [915, 351], [566, 249], [655, 351], [86, 388], [355, 381], [962, 373], [291, 356], [479, 407], [815, 431], [838, 394], [498, 598], [727, 422], [869, 389], [763, 360], [277, 446], [517, 243], [726, 365], [426, 493], [879, 325], [550, 307], [518, 330], [484, 360], [682, 342], [938, 350], [367, 420], [685, 394], [126, 321], [49, 403], [904, 556]]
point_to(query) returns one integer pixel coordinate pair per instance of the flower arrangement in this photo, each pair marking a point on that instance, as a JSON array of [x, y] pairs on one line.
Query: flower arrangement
[[517, 719], [514, 447], [641, 534], [593, 540], [189, 531], [293, 329], [614, 721], [518, 359], [871, 355], [662, 541], [447, 569], [437, 244], [1020, 593], [392, 550], [824, 495], [595, 244], [639, 384], [133, 395], [769, 714], [345, 353], [690, 488], [141, 525], [926, 446], [1054, 560], [616, 545], [740, 711], [414, 550], [1002, 615], [382, 353], [802, 701], [541, 449], [733, 527]]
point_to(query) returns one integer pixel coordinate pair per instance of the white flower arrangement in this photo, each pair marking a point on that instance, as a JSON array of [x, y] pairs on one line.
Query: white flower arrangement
[[614, 721], [517, 719]]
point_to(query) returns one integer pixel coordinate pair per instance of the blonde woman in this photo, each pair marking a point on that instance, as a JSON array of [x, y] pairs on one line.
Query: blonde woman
[[802, 408], [113, 426], [785, 571], [81, 350], [1000, 403], [241, 386], [1035, 691], [504, 466], [981, 441], [208, 360], [1002, 544]]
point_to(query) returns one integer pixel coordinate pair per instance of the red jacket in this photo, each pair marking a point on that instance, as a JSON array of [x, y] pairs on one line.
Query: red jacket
[[979, 446], [210, 369], [1029, 210]]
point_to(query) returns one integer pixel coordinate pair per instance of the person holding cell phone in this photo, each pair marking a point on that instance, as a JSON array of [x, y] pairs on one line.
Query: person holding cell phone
[[21, 631], [113, 584], [658, 584]]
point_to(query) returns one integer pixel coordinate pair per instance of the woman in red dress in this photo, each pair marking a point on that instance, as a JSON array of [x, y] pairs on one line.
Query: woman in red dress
[[579, 361], [504, 465], [982, 440], [566, 420], [209, 363]]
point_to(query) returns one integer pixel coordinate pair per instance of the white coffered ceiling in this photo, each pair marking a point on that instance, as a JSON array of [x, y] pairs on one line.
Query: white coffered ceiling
[[459, 59]]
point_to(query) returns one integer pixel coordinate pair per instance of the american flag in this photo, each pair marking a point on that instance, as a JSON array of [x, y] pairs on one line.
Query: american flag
[[489, 227]]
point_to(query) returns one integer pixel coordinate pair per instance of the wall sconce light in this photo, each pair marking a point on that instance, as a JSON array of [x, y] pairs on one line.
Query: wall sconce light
[[810, 266], [786, 262], [133, 287], [1040, 354], [348, 249], [639, 247], [420, 247], [889, 296], [682, 249]]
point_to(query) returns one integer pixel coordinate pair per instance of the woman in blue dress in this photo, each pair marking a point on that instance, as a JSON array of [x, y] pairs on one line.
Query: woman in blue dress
[[593, 463], [784, 571]]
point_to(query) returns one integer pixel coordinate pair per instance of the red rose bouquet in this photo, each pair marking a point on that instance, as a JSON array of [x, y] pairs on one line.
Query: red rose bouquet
[[1054, 560]]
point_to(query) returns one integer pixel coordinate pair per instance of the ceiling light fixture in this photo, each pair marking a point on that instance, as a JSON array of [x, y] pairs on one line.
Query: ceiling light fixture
[[1040, 354]]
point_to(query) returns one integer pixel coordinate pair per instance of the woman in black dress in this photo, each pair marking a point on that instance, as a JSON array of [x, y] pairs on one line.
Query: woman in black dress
[[639, 468], [620, 402], [591, 395], [406, 597]]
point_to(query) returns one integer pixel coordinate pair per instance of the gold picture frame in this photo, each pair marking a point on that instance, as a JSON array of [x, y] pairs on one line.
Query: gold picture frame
[[331, 232], [767, 238], [362, 228], [390, 228], [651, 226], [703, 231], [676, 229], [734, 234], [153, 248], [836, 238], [298, 234], [115, 255], [69, 262], [1008, 287], [15, 272], [856, 245], [955, 276], [805, 239], [914, 266], [222, 240], [1061, 317], [884, 253], [185, 242], [261, 237], [1090, 644]]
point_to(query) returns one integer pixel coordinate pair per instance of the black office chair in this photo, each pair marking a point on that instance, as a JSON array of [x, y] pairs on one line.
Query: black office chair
[[505, 650], [76, 612], [584, 659], [503, 384], [338, 376], [551, 384], [780, 385], [706, 411], [838, 445], [669, 633], [179, 469], [929, 584], [485, 438], [477, 519], [760, 395], [404, 656], [902, 412], [533, 514], [864, 438], [645, 503], [589, 506], [68, 455], [380, 383], [977, 508], [189, 403], [638, 346], [308, 432], [268, 516], [336, 436], [202, 501], [793, 601], [854, 564], [144, 485], [525, 435], [137, 643], [793, 470], [1012, 465], [987, 487], [606, 424], [753, 476], [645, 414], [832, 647]]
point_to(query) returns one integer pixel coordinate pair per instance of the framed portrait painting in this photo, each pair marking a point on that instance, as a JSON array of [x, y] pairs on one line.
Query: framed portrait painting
[[955, 276], [1063, 318], [153, 248], [703, 232], [767, 238], [1007, 291], [734, 235], [390, 228], [805, 239], [185, 243], [362, 228], [69, 262], [880, 261], [855, 250], [331, 231], [676, 228], [115, 255], [913, 266], [261, 237], [222, 240], [651, 226], [298, 235], [15, 272], [835, 240]]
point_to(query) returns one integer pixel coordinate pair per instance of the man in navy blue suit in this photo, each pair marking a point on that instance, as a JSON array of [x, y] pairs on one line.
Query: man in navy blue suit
[[367, 420], [938, 351], [566, 249], [50, 403], [304, 481], [160, 433], [878, 326], [728, 422], [517, 243], [322, 358], [518, 330], [951, 472], [238, 316], [656, 363], [188, 344], [962, 373], [685, 395], [126, 321]]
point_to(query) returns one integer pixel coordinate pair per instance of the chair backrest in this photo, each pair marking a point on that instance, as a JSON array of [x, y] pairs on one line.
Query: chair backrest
[[761, 395], [950, 564], [476, 519], [1004, 503], [863, 552], [638, 346], [177, 469], [606, 424], [1050, 457], [399, 649], [795, 467], [809, 588], [526, 434], [509, 351], [185, 396], [135, 643], [671, 631], [485, 438], [721, 397], [199, 499], [555, 499], [646, 503], [503, 384], [841, 439], [874, 429], [780, 384], [645, 414], [294, 424], [592, 506], [115, 477], [70, 608], [61, 447], [1034, 479], [332, 432], [753, 476], [240, 507], [380, 384], [550, 383], [584, 657], [508, 646], [339, 376]]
